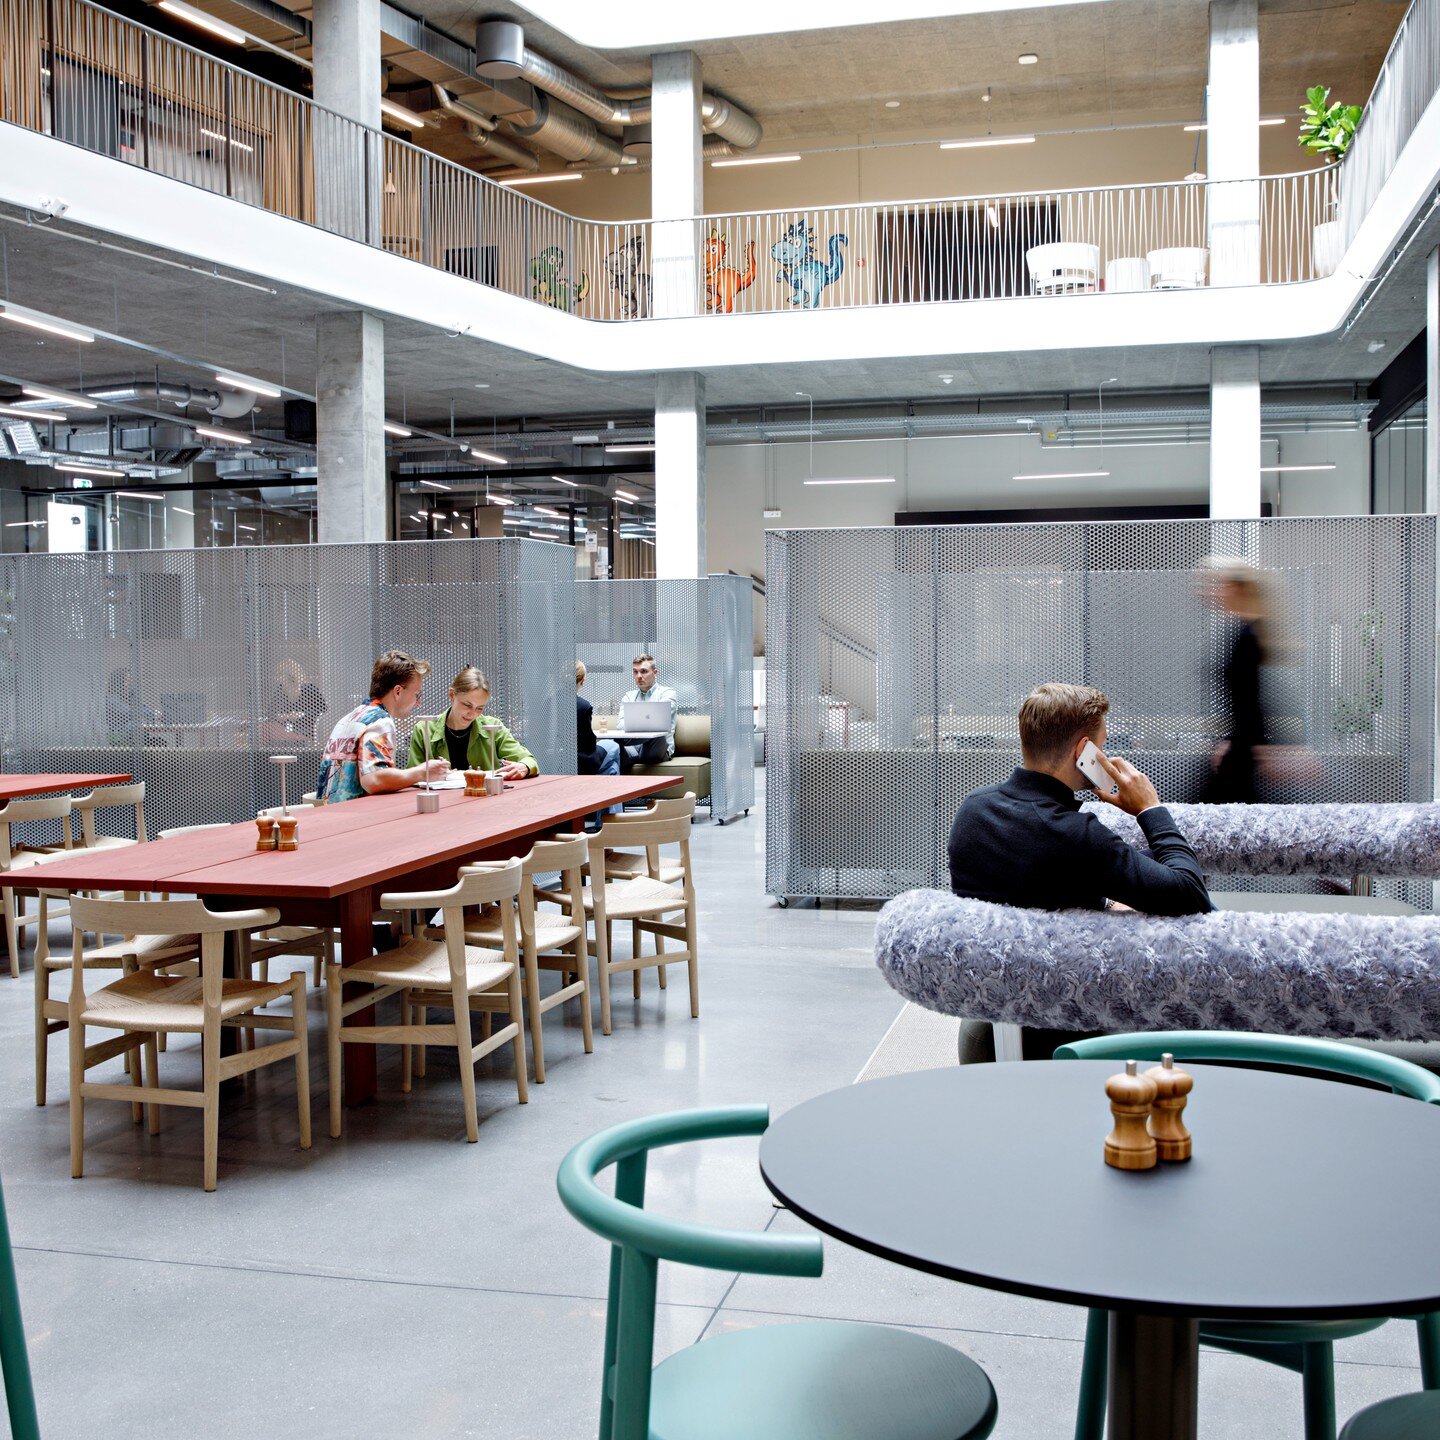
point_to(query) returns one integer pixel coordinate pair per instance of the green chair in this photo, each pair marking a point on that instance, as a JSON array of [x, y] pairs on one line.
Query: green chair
[[1405, 1417], [818, 1380], [14, 1357], [1305, 1346]]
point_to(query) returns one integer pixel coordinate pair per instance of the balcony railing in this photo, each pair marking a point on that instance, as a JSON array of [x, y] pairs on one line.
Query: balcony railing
[[75, 71]]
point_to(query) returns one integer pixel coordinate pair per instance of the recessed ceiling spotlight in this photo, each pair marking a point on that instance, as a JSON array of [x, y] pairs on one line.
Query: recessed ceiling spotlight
[[985, 98], [1375, 346], [947, 379], [892, 104], [1029, 58]]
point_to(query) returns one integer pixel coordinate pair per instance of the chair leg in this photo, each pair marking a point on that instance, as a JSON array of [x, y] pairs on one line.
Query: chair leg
[[464, 1048], [210, 1113], [152, 1076], [635, 951], [582, 974], [532, 1002], [692, 965], [77, 1100], [602, 970], [137, 1081], [12, 933], [42, 1032], [407, 1011], [1429, 1334], [517, 1018], [1318, 1383], [302, 1055], [1094, 1376], [421, 1014], [332, 1042]]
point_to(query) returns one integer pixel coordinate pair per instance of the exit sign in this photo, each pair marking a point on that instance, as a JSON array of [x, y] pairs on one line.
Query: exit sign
[[78, 482]]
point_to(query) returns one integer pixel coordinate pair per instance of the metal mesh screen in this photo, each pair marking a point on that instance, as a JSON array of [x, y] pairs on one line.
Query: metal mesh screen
[[190, 668], [897, 660], [700, 634]]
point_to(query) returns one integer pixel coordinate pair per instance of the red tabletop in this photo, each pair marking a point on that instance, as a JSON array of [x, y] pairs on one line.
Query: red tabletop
[[12, 787]]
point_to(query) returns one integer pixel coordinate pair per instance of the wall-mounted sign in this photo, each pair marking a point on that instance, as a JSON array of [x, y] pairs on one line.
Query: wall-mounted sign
[[79, 482]]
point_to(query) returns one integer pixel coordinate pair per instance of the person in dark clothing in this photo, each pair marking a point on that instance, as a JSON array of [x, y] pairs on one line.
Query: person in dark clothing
[[1027, 842], [1237, 588], [296, 704], [594, 755]]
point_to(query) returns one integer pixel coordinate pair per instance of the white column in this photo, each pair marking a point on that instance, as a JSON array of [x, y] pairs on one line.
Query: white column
[[1432, 384], [679, 476], [677, 181], [1235, 433], [1232, 142], [351, 488]]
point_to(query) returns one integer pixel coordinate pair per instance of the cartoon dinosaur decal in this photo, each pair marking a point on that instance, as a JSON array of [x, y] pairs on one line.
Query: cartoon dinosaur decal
[[806, 275], [724, 282], [628, 276], [549, 287]]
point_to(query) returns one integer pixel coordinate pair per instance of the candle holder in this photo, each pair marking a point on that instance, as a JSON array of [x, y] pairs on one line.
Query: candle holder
[[284, 762]]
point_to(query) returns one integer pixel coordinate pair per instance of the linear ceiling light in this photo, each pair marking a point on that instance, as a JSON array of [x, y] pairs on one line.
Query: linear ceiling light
[[1293, 469], [629, 449], [622, 499], [544, 179], [181, 510], [434, 485], [213, 432], [861, 480], [30, 414], [573, 484], [1066, 475], [627, 495], [754, 160], [488, 455], [138, 494], [90, 470], [58, 397], [239, 382], [546, 510], [37, 320], [400, 113], [500, 500], [220, 135], [983, 140], [1265, 120], [392, 429], [24, 524], [202, 21]]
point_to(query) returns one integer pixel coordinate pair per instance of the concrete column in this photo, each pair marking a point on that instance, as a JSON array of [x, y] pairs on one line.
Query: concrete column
[[347, 161], [1235, 433], [677, 182], [347, 58], [679, 476], [351, 485], [1232, 142]]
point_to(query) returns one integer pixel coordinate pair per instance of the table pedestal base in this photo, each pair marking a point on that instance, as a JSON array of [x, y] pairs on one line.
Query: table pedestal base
[[1154, 1377]]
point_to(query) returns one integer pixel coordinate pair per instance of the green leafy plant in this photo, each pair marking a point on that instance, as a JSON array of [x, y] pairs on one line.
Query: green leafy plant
[[1355, 710], [1327, 129]]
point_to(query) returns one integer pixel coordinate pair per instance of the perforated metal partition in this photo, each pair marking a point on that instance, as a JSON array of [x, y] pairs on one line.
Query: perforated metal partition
[[700, 634], [897, 660], [169, 663]]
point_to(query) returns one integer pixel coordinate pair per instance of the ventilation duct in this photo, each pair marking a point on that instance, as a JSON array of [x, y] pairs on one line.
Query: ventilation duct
[[163, 444], [223, 404], [501, 53], [481, 128], [568, 133]]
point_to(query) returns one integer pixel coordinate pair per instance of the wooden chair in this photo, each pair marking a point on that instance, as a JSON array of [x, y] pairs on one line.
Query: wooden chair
[[1305, 1346], [145, 1004], [14, 1354], [644, 900], [427, 972], [627, 864], [109, 797], [811, 1380], [548, 939], [14, 856]]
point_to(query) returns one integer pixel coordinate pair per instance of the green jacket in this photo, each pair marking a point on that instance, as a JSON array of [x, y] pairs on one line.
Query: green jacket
[[491, 744]]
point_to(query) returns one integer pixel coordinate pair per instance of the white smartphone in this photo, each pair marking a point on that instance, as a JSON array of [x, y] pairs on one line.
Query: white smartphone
[[1090, 767]]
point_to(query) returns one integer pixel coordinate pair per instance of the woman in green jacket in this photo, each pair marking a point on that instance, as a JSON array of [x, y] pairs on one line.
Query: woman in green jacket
[[468, 737]]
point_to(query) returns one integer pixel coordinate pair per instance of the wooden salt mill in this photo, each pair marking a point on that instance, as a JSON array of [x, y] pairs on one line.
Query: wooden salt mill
[[1167, 1128], [1129, 1145]]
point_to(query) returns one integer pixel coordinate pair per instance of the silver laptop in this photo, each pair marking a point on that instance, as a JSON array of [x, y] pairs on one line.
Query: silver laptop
[[639, 716]]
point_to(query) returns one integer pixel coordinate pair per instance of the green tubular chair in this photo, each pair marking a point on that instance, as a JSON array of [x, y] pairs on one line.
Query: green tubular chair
[[1405, 1417], [818, 1380], [14, 1356], [1305, 1346]]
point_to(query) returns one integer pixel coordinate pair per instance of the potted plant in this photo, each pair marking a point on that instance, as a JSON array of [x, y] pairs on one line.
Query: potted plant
[[1326, 130]]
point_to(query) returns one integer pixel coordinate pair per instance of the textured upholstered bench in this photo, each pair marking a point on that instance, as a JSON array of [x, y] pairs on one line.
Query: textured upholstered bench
[[690, 764], [1341, 976]]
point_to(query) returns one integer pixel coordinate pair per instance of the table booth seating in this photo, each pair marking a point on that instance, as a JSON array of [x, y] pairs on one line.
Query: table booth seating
[[690, 764]]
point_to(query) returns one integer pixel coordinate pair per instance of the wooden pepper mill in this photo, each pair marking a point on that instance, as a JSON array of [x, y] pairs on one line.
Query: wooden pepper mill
[[1129, 1145], [1167, 1128], [288, 833], [267, 835]]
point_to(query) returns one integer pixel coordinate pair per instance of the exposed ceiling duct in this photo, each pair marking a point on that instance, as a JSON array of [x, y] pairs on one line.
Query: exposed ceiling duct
[[164, 444], [567, 133], [223, 404], [501, 53], [482, 131]]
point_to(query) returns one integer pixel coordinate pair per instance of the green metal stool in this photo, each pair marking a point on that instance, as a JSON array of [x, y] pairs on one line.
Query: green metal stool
[[818, 1380], [1406, 1417], [1305, 1346], [14, 1356]]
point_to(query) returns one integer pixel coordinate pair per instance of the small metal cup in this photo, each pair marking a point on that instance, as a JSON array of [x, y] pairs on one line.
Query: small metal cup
[[494, 784], [427, 802]]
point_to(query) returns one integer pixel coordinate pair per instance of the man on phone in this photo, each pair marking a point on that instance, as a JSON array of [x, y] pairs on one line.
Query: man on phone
[[1027, 842]]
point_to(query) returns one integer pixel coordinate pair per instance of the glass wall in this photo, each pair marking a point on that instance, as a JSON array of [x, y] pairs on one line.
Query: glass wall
[[1397, 468]]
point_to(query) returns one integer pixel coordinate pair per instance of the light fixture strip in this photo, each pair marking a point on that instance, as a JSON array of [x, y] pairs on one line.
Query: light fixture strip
[[544, 179], [637, 449], [1066, 475], [400, 113], [393, 429], [201, 21], [138, 494], [58, 397], [212, 432], [857, 480], [982, 141], [488, 456], [36, 320], [89, 470], [1198, 125], [573, 484], [240, 382], [1295, 469], [19, 414], [753, 160]]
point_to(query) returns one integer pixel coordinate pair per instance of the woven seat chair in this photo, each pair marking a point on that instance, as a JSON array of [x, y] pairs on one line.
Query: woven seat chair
[[549, 940], [1304, 1346], [111, 797], [14, 856], [427, 973], [145, 1004], [627, 864], [811, 1380]]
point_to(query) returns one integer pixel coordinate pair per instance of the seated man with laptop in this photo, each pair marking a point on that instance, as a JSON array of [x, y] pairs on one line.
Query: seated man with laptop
[[647, 717]]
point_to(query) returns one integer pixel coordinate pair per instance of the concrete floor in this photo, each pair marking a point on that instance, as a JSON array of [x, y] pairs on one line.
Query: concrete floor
[[400, 1283]]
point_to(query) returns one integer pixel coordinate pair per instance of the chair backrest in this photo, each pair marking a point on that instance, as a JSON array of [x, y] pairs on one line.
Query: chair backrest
[[662, 830], [104, 797], [1294, 1052], [164, 917], [656, 810], [190, 829], [639, 1241], [477, 886], [21, 812]]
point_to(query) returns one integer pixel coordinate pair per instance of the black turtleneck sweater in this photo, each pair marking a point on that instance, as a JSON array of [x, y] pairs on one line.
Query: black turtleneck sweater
[[1027, 842]]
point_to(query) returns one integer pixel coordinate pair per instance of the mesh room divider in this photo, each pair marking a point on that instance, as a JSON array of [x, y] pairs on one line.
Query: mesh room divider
[[897, 659], [700, 633], [176, 664]]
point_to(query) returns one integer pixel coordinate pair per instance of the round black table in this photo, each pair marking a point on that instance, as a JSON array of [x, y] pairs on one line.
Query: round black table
[[1305, 1199]]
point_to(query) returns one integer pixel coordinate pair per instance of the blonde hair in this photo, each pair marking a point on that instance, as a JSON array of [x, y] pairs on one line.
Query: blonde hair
[[471, 678], [1253, 588], [1054, 715], [579, 673], [289, 676]]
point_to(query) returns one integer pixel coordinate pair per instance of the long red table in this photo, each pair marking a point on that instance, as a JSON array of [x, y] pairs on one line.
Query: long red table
[[349, 855], [13, 787]]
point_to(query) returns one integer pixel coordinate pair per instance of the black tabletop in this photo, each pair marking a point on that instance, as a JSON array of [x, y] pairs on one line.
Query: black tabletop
[[1305, 1198]]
